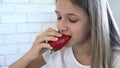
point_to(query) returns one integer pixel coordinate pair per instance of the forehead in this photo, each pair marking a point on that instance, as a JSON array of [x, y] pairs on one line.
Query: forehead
[[65, 6]]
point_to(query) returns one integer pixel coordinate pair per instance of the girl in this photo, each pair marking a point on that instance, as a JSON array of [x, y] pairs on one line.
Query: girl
[[94, 39]]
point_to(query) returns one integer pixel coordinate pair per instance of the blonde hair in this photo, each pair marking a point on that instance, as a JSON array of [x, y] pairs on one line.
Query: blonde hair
[[104, 32]]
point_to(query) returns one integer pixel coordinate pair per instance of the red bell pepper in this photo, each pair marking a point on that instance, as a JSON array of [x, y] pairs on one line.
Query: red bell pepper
[[57, 45]]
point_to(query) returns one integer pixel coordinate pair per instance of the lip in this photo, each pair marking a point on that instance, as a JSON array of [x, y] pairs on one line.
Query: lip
[[61, 32]]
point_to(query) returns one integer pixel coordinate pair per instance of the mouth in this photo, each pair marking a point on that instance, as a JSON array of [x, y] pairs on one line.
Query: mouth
[[65, 34]]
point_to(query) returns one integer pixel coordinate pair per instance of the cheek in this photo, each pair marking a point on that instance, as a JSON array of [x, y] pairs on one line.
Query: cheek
[[81, 33], [58, 25]]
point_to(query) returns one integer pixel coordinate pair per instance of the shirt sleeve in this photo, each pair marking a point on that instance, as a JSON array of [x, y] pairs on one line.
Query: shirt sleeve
[[46, 55], [116, 59]]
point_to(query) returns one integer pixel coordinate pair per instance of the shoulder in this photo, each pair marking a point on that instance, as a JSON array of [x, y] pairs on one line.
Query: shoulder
[[115, 58]]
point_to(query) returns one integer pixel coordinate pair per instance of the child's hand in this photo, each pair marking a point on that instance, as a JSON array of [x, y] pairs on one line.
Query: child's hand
[[40, 44]]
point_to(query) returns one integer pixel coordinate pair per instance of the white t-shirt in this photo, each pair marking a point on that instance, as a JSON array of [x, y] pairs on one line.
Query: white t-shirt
[[64, 58], [116, 57]]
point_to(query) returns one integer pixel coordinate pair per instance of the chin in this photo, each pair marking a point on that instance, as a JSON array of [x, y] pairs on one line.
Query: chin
[[68, 45]]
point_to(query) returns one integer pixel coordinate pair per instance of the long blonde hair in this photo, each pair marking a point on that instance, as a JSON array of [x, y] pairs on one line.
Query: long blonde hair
[[104, 32]]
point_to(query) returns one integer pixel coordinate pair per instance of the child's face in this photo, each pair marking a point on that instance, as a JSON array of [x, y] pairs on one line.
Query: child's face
[[72, 20]]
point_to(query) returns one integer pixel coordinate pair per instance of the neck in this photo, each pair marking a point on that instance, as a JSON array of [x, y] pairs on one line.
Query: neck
[[82, 53], [83, 49]]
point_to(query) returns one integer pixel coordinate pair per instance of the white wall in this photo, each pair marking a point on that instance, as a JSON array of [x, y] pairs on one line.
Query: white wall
[[22, 20], [115, 6]]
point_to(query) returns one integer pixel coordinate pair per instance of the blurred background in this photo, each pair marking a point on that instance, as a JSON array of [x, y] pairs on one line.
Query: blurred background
[[22, 20]]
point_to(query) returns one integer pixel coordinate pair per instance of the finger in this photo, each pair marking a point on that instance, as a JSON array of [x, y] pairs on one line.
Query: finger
[[53, 34], [50, 29], [46, 38], [46, 46], [49, 32]]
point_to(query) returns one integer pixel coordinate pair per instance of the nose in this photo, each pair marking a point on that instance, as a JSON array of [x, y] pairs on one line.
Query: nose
[[62, 26]]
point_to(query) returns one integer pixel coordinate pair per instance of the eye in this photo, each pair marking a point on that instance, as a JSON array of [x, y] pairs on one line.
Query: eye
[[73, 20], [59, 18]]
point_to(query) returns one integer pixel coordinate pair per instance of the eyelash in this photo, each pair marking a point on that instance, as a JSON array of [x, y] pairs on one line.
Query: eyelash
[[73, 21]]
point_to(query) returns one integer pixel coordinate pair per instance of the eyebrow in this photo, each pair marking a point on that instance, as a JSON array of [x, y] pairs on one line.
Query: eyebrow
[[70, 14]]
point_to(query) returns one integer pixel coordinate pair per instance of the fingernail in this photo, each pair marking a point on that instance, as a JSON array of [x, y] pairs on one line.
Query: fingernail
[[49, 45], [60, 34], [56, 39]]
